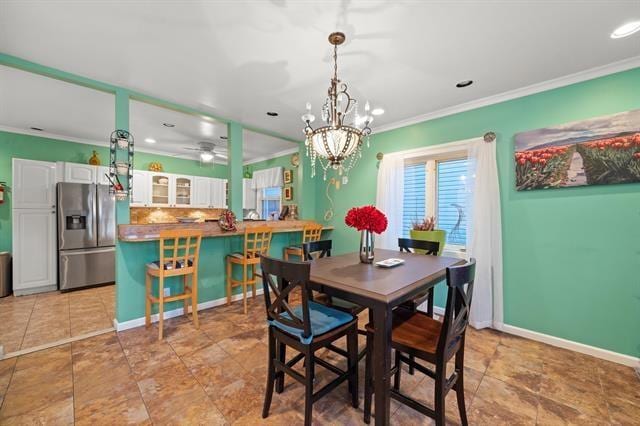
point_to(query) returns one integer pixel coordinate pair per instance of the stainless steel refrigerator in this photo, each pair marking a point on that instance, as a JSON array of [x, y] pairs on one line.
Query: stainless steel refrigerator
[[86, 235]]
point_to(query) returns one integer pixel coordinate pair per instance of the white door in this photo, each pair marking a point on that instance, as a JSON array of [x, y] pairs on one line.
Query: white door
[[202, 192], [101, 179], [217, 193], [248, 194], [141, 186], [160, 194], [34, 248], [182, 190], [34, 184], [80, 173]]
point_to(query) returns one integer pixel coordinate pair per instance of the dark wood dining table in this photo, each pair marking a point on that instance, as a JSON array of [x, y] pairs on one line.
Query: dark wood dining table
[[380, 290]]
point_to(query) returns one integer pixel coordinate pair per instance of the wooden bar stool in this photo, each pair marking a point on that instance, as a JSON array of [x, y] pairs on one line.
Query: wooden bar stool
[[310, 232], [257, 240], [179, 252]]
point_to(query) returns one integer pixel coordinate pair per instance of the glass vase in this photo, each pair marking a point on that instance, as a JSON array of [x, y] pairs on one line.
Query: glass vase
[[366, 247]]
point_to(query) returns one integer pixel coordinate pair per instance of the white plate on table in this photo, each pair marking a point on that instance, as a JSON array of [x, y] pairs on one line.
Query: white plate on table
[[390, 263]]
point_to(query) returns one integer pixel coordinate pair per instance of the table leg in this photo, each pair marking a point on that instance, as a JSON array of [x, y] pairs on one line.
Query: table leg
[[382, 363]]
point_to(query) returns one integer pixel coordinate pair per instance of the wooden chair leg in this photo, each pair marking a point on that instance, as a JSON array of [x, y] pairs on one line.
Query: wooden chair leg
[[282, 356], [368, 379], [229, 273], [244, 287], [352, 350], [194, 299], [440, 395], [160, 306], [286, 255], [271, 376], [147, 300], [398, 367], [185, 302], [459, 387], [253, 277], [308, 394]]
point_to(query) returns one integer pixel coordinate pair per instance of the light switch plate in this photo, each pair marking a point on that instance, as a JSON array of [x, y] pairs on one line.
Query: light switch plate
[[167, 292]]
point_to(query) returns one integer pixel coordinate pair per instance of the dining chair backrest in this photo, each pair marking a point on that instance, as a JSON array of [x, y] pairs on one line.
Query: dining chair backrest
[[257, 240], [429, 247], [322, 247], [180, 249], [311, 232], [280, 278], [458, 307]]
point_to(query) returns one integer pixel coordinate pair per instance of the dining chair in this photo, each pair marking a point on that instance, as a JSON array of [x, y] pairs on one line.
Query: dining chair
[[307, 328], [179, 253], [257, 241], [310, 232], [417, 334], [322, 249], [429, 248]]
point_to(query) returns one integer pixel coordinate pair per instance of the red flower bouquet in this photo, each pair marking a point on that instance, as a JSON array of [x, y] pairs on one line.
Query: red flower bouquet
[[366, 218]]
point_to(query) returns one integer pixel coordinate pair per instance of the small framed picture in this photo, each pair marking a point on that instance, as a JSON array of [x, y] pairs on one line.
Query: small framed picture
[[288, 177], [288, 193]]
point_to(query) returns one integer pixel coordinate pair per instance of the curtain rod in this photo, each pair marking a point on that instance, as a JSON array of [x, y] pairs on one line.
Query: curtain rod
[[487, 137]]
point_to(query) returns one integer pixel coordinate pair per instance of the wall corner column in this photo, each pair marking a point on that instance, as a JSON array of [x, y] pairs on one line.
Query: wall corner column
[[306, 187], [235, 143]]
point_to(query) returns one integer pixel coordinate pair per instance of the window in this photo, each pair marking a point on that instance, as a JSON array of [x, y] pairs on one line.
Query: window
[[270, 201], [437, 187]]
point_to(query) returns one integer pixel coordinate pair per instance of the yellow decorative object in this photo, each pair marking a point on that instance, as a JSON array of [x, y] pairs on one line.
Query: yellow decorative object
[[94, 160], [155, 167]]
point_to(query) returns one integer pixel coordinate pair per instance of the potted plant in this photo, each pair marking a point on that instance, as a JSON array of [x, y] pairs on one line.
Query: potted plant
[[424, 230], [368, 220]]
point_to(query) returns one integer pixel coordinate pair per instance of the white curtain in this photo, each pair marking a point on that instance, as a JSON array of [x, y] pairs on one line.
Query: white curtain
[[484, 233], [389, 198], [267, 178]]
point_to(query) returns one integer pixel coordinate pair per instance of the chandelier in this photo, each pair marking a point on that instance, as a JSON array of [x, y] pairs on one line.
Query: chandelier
[[338, 144]]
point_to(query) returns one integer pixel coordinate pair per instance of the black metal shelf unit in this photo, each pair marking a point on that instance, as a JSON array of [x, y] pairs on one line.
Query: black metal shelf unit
[[121, 147]]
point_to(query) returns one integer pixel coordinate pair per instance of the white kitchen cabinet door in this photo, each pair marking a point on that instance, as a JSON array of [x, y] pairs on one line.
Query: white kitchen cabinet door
[[141, 189], [34, 184], [101, 178], [248, 195], [182, 190], [80, 173], [218, 193], [202, 191], [34, 248], [160, 189]]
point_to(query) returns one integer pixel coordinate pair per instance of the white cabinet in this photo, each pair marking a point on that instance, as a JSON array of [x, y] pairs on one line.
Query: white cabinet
[[248, 195], [141, 186], [34, 184], [218, 193], [101, 179], [34, 249], [202, 191], [182, 190], [80, 173], [160, 194]]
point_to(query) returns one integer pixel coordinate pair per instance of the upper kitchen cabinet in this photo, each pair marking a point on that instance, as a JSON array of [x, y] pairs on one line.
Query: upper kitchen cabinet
[[34, 184], [141, 187], [80, 173], [201, 192], [182, 190], [102, 178], [161, 189]]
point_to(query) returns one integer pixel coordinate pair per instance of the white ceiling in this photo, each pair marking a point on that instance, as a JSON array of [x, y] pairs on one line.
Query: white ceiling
[[69, 111], [240, 59]]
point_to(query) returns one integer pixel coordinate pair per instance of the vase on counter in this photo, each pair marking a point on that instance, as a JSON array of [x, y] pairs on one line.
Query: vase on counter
[[366, 247]]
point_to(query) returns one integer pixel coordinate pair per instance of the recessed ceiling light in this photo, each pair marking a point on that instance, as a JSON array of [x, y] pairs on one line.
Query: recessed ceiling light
[[36, 128], [150, 140], [464, 83], [626, 29], [377, 111], [223, 137], [168, 125], [272, 114]]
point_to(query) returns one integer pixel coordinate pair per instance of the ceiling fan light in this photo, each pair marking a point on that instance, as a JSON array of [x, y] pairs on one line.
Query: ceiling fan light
[[206, 157]]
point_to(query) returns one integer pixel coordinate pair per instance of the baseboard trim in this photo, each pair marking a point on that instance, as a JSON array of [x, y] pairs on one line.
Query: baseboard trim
[[559, 342], [35, 290], [138, 322]]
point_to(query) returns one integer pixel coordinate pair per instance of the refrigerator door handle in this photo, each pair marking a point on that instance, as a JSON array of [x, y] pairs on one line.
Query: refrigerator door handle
[[91, 251]]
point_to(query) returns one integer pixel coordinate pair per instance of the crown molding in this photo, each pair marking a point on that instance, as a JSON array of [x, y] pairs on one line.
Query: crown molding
[[589, 74], [272, 156]]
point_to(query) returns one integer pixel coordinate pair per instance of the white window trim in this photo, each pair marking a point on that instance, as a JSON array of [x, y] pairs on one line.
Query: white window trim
[[260, 199]]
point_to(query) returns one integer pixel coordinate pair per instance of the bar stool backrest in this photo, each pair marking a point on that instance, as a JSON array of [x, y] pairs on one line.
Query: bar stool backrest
[[257, 240], [180, 249], [311, 232]]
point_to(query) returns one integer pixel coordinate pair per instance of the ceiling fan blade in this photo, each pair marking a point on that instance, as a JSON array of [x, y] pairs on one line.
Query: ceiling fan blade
[[221, 156], [192, 149]]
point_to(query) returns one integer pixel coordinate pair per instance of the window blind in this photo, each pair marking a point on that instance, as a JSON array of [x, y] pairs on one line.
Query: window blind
[[452, 198], [414, 202]]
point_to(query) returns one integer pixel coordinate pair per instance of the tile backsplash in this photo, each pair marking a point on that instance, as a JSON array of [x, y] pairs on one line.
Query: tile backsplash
[[144, 215]]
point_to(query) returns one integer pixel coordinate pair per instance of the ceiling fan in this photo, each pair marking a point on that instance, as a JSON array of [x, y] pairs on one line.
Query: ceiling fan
[[207, 152]]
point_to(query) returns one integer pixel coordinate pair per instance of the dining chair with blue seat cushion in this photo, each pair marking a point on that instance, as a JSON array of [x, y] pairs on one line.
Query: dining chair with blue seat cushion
[[307, 328]]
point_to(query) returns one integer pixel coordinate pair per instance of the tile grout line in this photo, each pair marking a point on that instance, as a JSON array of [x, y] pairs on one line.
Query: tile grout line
[[4, 398], [73, 383], [134, 377], [24, 335]]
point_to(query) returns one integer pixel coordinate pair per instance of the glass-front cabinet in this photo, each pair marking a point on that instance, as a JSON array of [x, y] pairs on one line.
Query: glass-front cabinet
[[160, 189], [182, 188]]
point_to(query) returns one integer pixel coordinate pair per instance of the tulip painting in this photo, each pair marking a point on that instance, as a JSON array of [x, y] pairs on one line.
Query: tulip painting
[[598, 151]]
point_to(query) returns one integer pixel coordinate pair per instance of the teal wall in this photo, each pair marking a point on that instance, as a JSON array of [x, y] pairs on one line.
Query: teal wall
[[14, 145], [571, 256]]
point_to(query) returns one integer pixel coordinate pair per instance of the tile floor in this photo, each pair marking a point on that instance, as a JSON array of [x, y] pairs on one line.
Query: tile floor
[[29, 321], [216, 375]]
